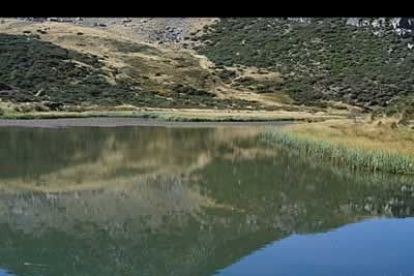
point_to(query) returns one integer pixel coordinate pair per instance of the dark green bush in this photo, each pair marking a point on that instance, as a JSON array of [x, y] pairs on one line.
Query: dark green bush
[[314, 57], [227, 75]]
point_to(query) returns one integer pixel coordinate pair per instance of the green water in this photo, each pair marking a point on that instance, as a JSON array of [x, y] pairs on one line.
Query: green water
[[181, 201]]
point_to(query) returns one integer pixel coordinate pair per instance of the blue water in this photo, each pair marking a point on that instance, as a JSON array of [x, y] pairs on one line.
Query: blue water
[[5, 273], [377, 247], [161, 201]]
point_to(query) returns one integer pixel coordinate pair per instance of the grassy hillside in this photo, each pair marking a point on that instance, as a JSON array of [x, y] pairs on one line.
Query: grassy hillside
[[324, 59], [61, 65], [243, 63], [38, 70]]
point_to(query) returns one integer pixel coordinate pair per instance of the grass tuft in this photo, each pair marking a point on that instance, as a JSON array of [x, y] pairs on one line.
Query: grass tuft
[[356, 158]]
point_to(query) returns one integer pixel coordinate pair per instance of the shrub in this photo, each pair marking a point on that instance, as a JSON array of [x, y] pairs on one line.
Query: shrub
[[227, 75], [344, 56], [39, 107]]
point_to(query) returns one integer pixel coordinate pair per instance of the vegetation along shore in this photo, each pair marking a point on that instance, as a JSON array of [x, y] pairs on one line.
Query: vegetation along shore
[[359, 146]]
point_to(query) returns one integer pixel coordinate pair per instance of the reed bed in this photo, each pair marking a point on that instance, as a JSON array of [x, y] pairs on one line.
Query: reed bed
[[355, 158]]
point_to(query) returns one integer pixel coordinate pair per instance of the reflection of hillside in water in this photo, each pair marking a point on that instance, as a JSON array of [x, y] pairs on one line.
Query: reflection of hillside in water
[[188, 217], [47, 159]]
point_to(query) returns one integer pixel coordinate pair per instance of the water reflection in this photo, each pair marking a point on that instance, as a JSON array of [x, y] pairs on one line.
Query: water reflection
[[372, 247], [64, 158], [5, 273], [167, 201]]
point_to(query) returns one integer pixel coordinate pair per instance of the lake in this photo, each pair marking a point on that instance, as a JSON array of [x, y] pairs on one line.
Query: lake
[[192, 201]]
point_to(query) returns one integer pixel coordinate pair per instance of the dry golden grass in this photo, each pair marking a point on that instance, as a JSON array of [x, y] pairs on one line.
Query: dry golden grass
[[11, 110], [385, 136], [156, 68], [170, 66], [279, 97]]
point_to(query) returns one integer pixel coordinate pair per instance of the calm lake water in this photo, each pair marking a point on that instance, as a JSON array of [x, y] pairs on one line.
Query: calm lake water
[[192, 202]]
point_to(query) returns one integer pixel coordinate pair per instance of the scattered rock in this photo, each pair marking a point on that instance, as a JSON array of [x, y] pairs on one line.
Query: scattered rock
[[96, 24], [41, 31], [368, 207], [33, 19], [127, 20]]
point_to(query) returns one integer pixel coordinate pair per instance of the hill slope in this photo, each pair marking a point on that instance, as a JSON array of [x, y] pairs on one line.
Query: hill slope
[[63, 64], [369, 65], [231, 63]]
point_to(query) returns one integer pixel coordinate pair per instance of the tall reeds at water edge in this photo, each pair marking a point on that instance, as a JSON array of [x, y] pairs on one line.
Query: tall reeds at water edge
[[355, 158]]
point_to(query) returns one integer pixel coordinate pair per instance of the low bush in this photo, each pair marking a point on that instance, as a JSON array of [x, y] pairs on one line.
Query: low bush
[[323, 55]]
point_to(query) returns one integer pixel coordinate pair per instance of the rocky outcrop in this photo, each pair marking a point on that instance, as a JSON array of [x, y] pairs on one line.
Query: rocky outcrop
[[33, 19], [406, 23], [401, 25], [169, 34], [165, 31]]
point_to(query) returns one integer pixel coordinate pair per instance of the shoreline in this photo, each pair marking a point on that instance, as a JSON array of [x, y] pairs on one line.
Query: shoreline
[[159, 117], [125, 122], [359, 146]]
